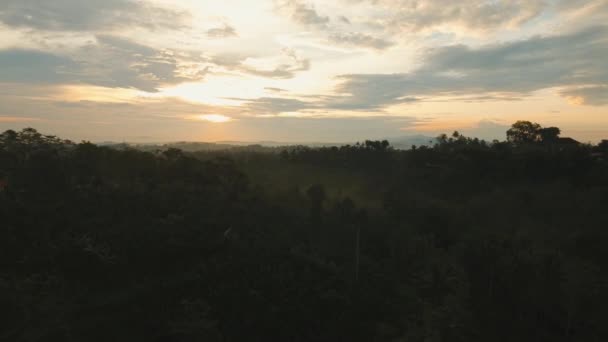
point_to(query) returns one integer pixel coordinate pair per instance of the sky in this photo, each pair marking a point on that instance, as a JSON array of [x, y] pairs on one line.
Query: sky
[[302, 70]]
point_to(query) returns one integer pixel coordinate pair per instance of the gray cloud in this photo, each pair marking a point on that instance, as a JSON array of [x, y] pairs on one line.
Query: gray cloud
[[344, 20], [360, 39], [306, 15], [363, 102], [483, 15], [34, 67], [589, 95], [583, 13], [108, 62], [275, 90], [364, 96], [79, 15], [512, 69], [283, 71], [275, 105], [117, 62], [225, 31], [569, 5]]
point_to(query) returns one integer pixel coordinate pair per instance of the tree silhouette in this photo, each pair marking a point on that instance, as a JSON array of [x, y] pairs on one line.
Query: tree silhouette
[[549, 134], [523, 132]]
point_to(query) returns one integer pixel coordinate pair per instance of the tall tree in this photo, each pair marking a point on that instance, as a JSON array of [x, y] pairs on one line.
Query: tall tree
[[524, 132], [549, 134]]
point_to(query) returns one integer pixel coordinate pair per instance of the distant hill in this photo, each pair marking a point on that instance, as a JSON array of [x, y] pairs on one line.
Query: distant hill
[[404, 142]]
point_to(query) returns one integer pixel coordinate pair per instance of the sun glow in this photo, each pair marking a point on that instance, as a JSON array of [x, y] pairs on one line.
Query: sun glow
[[215, 118], [216, 90]]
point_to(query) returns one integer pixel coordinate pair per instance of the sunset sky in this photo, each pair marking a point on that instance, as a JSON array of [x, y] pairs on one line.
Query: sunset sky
[[302, 70]]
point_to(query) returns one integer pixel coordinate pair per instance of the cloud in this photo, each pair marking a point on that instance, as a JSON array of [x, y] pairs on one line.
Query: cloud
[[226, 31], [287, 65], [78, 15], [306, 14], [582, 6], [344, 20], [302, 13], [274, 105], [118, 62], [282, 71], [110, 61], [34, 66], [477, 15], [361, 40], [512, 69], [588, 95], [361, 95], [322, 105], [275, 90], [582, 13]]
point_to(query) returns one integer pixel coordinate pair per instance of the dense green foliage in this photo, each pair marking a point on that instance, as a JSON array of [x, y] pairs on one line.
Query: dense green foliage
[[464, 241]]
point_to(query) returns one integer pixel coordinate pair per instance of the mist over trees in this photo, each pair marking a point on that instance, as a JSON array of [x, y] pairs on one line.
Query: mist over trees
[[467, 240]]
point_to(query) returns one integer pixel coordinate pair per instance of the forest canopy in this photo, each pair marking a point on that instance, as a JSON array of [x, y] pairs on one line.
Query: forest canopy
[[465, 240]]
